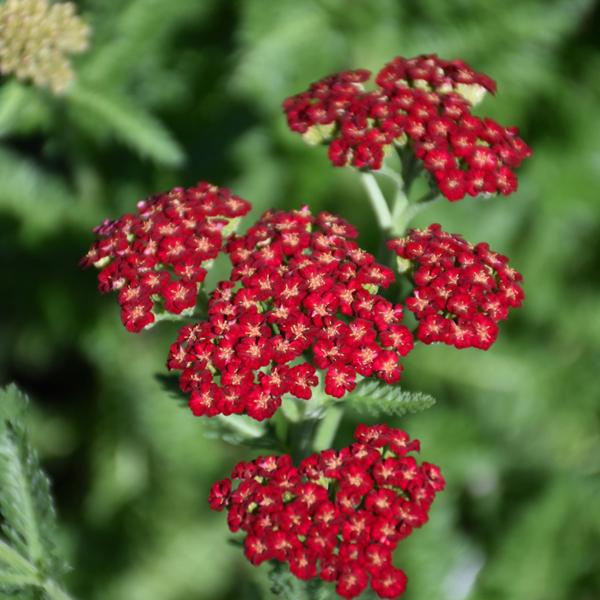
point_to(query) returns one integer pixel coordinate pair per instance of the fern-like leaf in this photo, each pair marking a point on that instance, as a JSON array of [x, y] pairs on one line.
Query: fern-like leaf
[[27, 554], [130, 123], [285, 586], [376, 398], [237, 430]]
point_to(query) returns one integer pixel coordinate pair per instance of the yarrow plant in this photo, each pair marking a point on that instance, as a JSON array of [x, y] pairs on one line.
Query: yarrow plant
[[307, 321]]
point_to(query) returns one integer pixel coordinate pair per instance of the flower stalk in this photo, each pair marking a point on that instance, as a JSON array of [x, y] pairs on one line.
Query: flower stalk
[[377, 200]]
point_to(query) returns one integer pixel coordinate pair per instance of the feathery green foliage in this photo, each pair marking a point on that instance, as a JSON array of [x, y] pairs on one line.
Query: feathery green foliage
[[28, 555], [237, 430], [377, 399], [284, 586]]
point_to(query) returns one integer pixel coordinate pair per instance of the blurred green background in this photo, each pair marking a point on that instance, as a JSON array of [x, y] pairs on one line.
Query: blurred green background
[[174, 92]]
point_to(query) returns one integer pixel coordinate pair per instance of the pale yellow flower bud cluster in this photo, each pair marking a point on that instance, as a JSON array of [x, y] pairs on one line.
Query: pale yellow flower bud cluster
[[35, 39]]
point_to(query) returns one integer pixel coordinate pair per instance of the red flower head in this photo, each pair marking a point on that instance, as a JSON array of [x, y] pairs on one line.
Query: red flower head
[[302, 296], [423, 103], [433, 74], [339, 516], [156, 258], [460, 291]]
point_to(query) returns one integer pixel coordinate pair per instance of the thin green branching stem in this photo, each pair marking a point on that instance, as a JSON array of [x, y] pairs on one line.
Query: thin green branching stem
[[403, 211], [328, 428], [392, 175], [176, 318], [400, 203], [403, 221], [378, 201]]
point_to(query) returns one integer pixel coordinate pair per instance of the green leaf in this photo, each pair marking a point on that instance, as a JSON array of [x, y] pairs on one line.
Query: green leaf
[[130, 123], [285, 586], [238, 430], [40, 199], [13, 405], [25, 502], [26, 506], [376, 398]]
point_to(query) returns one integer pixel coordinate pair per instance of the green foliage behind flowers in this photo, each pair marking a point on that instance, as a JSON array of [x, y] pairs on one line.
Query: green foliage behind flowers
[[173, 93], [29, 559]]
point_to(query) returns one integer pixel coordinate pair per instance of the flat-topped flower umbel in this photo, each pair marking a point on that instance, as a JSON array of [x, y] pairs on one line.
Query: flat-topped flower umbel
[[338, 515], [156, 259], [423, 105], [301, 297], [460, 291]]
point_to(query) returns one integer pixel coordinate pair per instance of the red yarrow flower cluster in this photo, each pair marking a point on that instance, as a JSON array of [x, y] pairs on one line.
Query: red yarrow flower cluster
[[339, 515], [157, 258], [301, 297], [432, 73], [423, 102], [460, 291]]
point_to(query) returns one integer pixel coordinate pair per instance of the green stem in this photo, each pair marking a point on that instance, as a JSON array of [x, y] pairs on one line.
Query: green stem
[[401, 224], [378, 201], [400, 198], [196, 315], [401, 205], [328, 428], [392, 175]]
